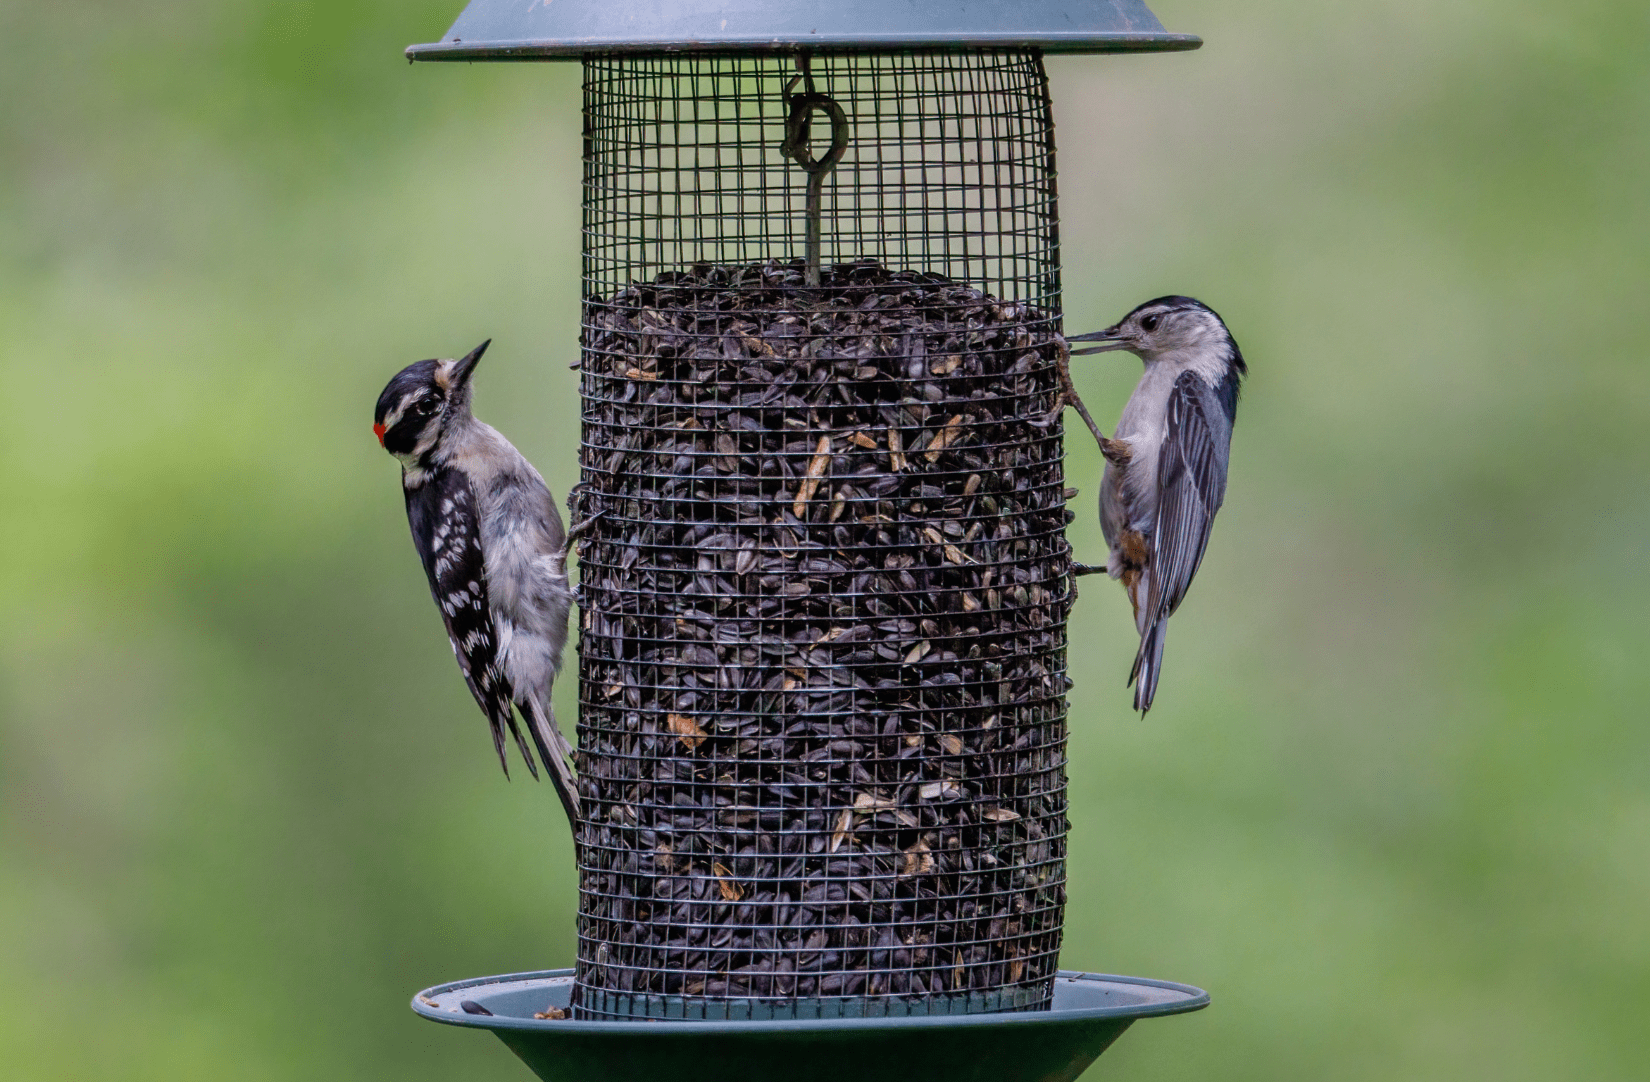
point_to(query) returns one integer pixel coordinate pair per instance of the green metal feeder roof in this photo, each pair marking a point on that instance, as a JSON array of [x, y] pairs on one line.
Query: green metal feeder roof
[[568, 29]]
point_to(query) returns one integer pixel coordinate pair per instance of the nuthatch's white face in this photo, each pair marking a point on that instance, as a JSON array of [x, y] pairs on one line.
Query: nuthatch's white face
[[1166, 327], [420, 403]]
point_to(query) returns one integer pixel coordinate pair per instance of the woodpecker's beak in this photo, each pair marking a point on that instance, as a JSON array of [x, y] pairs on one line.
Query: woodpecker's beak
[[467, 365], [1111, 339]]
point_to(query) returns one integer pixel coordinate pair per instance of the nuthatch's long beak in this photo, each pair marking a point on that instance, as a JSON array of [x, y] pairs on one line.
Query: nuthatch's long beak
[[467, 364], [1109, 336]]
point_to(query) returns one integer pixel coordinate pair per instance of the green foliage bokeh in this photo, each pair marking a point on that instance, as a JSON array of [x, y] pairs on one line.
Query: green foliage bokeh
[[1393, 807]]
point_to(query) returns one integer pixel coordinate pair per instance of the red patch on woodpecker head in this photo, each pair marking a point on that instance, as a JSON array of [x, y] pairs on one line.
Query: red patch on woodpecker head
[[378, 430]]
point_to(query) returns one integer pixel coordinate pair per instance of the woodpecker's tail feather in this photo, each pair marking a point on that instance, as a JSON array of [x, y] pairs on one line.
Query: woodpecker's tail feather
[[1148, 665], [555, 751], [521, 745], [497, 728], [497, 720]]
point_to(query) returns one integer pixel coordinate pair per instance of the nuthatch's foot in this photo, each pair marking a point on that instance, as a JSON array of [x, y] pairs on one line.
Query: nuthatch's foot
[[1067, 394]]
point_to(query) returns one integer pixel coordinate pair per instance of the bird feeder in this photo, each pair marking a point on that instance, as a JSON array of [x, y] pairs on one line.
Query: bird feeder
[[822, 648]]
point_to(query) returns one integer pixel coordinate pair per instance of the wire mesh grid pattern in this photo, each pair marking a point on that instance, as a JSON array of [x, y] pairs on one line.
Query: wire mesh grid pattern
[[950, 168], [822, 653]]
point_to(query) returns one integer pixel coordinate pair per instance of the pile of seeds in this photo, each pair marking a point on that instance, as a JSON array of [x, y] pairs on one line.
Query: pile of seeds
[[822, 654]]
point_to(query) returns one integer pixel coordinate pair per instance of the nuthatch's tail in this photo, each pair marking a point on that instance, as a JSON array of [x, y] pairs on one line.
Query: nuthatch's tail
[[1148, 664], [555, 752]]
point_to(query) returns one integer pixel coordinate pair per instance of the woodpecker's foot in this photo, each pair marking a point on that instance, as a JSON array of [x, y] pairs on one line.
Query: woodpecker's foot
[[577, 533], [1117, 452]]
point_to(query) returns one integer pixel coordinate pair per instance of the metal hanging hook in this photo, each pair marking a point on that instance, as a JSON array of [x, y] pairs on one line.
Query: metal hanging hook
[[798, 134]]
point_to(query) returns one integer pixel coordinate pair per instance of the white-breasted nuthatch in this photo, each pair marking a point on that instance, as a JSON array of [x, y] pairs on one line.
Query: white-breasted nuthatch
[[493, 547], [1165, 463]]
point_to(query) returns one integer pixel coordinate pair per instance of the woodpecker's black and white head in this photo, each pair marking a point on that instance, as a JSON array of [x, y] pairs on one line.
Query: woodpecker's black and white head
[[422, 404], [1175, 329]]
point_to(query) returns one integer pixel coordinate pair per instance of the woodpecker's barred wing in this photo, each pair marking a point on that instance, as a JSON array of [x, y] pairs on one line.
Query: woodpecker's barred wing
[[1191, 483], [442, 514]]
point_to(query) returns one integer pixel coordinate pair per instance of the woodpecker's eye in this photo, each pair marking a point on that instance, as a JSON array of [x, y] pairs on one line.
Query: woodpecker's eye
[[428, 406], [1148, 323]]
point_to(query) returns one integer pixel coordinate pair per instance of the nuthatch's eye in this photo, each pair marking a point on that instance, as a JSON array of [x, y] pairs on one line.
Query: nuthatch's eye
[[1148, 323]]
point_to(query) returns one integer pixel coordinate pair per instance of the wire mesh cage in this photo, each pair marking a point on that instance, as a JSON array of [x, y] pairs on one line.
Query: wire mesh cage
[[822, 664]]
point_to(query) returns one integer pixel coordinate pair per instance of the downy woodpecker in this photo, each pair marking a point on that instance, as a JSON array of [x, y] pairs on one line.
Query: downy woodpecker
[[492, 542], [1166, 463]]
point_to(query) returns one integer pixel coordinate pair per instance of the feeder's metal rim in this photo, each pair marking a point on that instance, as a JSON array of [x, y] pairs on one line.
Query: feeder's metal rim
[[570, 29], [1173, 998], [576, 48]]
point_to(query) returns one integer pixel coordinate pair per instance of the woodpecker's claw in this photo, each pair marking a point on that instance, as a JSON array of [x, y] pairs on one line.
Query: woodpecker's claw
[[576, 534]]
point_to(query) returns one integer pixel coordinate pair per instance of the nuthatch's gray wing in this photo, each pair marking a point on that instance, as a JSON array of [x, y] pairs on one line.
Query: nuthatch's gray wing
[[1191, 483], [1166, 463]]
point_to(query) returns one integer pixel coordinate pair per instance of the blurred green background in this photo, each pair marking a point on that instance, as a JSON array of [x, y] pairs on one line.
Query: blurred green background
[[1393, 807]]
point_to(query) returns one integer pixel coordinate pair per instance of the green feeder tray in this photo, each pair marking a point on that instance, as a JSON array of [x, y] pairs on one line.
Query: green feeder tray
[[1089, 1012]]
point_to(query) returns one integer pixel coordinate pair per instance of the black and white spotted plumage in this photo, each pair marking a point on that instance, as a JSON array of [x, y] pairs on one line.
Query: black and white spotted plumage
[[494, 551], [442, 513], [1166, 463]]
